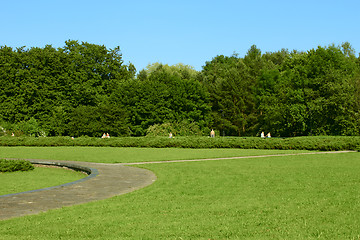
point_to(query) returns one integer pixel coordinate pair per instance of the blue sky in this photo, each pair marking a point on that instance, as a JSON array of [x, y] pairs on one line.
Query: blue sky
[[187, 31]]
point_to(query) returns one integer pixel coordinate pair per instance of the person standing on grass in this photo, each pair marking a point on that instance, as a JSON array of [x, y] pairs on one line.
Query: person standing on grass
[[212, 133]]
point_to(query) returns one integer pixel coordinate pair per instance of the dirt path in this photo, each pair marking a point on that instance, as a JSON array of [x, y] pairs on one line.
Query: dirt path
[[106, 180]]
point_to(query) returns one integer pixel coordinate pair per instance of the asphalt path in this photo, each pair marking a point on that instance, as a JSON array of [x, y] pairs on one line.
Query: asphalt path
[[106, 181]]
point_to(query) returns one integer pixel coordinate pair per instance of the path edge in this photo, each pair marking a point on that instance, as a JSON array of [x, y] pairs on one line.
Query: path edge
[[92, 172]]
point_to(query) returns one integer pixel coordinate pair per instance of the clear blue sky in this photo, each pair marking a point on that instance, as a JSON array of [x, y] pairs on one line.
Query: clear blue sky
[[187, 31]]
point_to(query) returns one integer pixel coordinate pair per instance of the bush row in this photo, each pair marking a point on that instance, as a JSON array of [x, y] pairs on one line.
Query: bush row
[[323, 143], [15, 165]]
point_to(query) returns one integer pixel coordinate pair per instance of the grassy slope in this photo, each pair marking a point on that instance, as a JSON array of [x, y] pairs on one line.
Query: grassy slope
[[38, 178], [117, 155], [293, 197]]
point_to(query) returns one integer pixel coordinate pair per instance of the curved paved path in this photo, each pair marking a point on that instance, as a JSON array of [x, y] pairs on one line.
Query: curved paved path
[[110, 180]]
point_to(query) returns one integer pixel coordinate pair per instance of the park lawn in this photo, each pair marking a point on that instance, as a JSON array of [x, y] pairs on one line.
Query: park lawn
[[127, 155], [40, 177], [285, 197]]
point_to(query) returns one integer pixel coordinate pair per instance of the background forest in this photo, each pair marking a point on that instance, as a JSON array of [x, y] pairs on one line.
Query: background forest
[[86, 89]]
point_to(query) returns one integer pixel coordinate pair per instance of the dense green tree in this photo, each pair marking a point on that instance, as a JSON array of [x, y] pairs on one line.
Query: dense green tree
[[163, 93], [288, 94], [50, 84], [231, 82], [93, 121], [312, 93], [86, 89]]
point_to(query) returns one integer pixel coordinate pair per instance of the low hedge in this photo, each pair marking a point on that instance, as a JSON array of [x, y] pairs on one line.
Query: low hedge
[[321, 143], [15, 165]]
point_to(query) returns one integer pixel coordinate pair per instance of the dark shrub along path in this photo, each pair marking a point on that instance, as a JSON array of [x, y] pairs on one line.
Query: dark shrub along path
[[13, 166]]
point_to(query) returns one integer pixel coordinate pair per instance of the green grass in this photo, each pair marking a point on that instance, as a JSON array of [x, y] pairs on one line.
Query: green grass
[[38, 178], [122, 155], [287, 197]]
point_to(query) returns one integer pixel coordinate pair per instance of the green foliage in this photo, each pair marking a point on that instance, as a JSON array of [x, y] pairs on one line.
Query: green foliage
[[180, 70], [15, 165], [86, 89], [28, 128], [183, 128], [311, 93], [94, 121], [232, 82], [325, 143], [288, 94], [5, 128], [161, 95], [48, 85]]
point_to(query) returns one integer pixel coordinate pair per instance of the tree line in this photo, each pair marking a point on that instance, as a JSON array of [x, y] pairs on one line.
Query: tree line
[[86, 89]]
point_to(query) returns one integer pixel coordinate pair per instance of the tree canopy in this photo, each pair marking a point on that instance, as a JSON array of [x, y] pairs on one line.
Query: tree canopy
[[86, 89]]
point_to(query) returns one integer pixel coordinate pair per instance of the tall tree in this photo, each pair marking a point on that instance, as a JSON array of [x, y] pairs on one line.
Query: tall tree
[[163, 93], [231, 82], [49, 84], [313, 93]]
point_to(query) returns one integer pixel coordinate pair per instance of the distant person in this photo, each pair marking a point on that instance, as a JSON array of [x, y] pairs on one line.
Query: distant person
[[262, 134], [212, 133], [170, 135], [107, 135], [103, 136], [268, 135], [12, 134]]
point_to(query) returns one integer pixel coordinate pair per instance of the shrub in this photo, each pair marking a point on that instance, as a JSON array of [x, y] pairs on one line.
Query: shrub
[[2, 131], [15, 165], [5, 128], [30, 128], [326, 143], [183, 128]]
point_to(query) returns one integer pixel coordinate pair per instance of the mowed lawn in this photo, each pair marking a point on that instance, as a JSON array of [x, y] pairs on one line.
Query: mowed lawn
[[127, 155], [285, 197], [40, 177]]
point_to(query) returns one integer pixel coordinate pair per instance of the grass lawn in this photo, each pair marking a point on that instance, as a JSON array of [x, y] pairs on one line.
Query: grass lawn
[[287, 197], [122, 155], [40, 177]]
